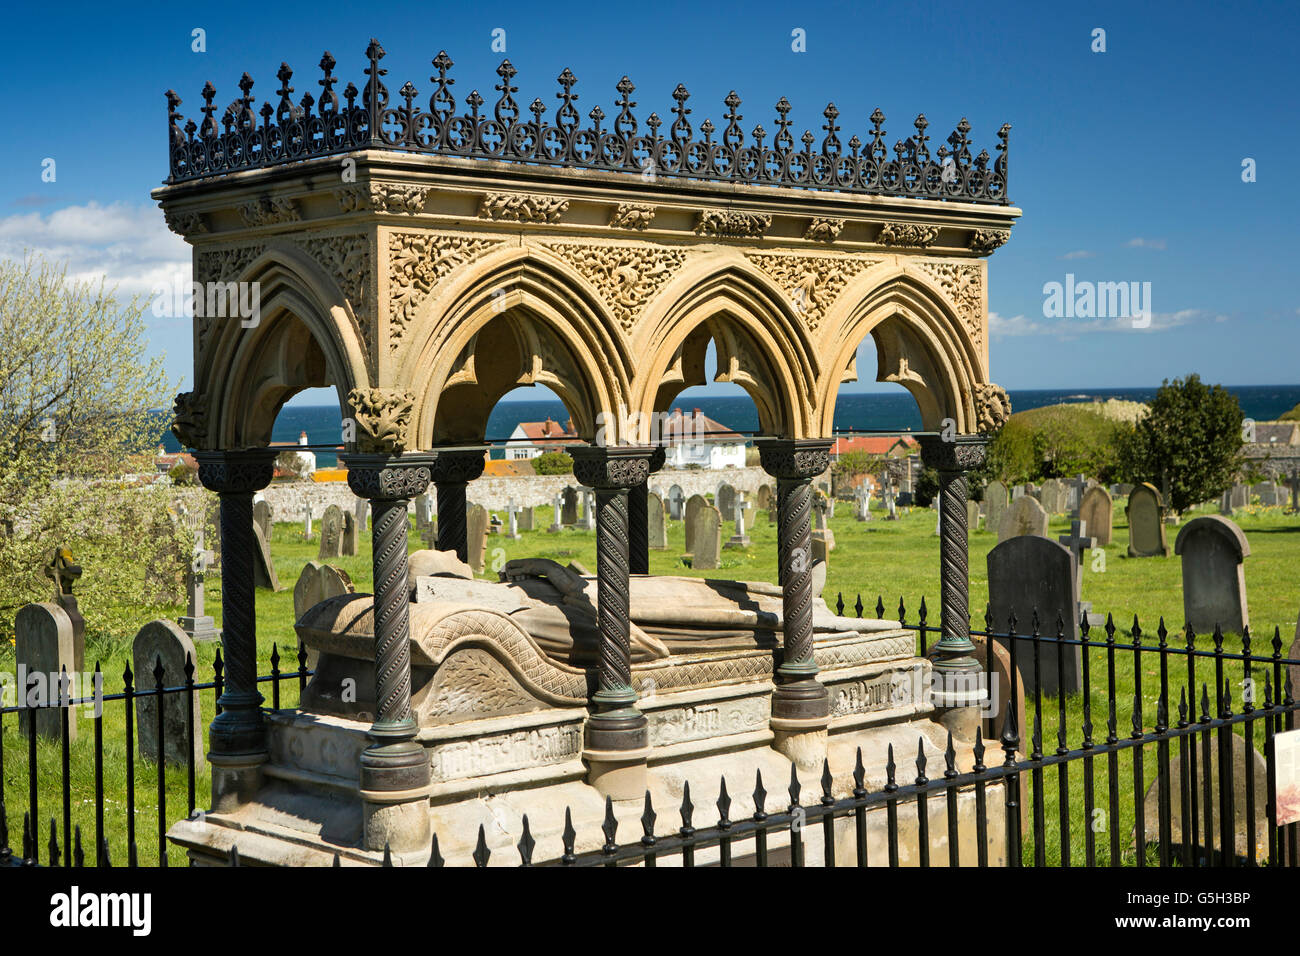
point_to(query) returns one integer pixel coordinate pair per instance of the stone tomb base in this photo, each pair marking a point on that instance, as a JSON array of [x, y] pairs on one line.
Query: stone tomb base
[[509, 742]]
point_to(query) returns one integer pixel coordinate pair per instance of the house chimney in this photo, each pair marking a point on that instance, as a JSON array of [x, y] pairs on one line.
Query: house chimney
[[302, 438], [568, 426], [546, 426], [695, 413]]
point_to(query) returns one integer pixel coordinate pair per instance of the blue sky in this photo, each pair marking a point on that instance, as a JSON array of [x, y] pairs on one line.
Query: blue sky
[[1127, 163]]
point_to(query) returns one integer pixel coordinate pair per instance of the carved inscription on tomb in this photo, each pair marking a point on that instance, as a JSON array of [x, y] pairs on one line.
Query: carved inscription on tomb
[[497, 753], [627, 277], [812, 282], [715, 719], [880, 692]]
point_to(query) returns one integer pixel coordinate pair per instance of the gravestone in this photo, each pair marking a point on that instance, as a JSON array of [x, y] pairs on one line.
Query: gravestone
[[557, 511], [725, 499], [197, 623], [64, 572], [512, 521], [764, 497], [706, 538], [1214, 579], [1079, 543], [588, 510], [476, 532], [1028, 573], [316, 583], [1095, 511], [1244, 840], [306, 521], [569, 507], [264, 575], [656, 528], [740, 539], [862, 501], [423, 512], [1239, 496], [1054, 497], [820, 553], [1075, 489], [1025, 516], [1225, 504], [348, 543], [972, 515], [263, 518], [1146, 523], [695, 504], [182, 735], [361, 514], [527, 518], [891, 504], [676, 501], [995, 504], [821, 531], [43, 650], [331, 534]]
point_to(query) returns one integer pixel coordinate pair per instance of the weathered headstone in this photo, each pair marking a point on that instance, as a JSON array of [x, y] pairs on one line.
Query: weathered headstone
[[995, 504], [694, 505], [527, 518], [1028, 573], [263, 517], [44, 650], [197, 623], [972, 515], [764, 497], [725, 499], [676, 502], [306, 521], [264, 575], [1146, 525], [331, 534], [1025, 516], [476, 532], [1240, 496], [1214, 580], [423, 512], [707, 538], [361, 513], [569, 511], [182, 740], [348, 541], [821, 530], [1096, 512], [1053, 496], [655, 524]]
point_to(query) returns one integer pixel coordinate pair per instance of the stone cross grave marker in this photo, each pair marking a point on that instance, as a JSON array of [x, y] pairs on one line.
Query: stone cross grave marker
[[588, 509], [512, 519], [1146, 526], [44, 652], [331, 534], [707, 539], [476, 533], [182, 738], [1212, 549], [306, 521], [62, 570], [676, 502], [995, 504], [558, 508], [1025, 516], [1078, 487], [694, 505], [862, 499], [656, 526], [1079, 544], [740, 539], [348, 540], [891, 504], [1028, 573], [197, 623], [821, 529], [1095, 512]]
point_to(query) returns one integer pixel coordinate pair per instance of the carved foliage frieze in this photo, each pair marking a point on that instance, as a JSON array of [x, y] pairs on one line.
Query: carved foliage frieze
[[714, 222], [813, 283], [632, 215], [907, 234], [514, 207], [417, 261], [821, 229], [963, 285], [269, 211], [185, 223], [383, 197], [627, 277]]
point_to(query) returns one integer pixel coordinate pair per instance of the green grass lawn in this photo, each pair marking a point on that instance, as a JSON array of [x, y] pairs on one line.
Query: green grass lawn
[[886, 559]]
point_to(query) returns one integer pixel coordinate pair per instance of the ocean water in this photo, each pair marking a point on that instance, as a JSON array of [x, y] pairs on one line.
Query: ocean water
[[861, 411]]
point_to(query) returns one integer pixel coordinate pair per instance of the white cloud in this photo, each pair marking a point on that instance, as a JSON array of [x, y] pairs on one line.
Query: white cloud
[[126, 244], [1140, 243], [1000, 327], [1079, 254], [1019, 325]]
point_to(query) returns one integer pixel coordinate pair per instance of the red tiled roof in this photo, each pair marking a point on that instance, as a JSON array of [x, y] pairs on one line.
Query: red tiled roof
[[549, 432], [682, 427], [872, 444]]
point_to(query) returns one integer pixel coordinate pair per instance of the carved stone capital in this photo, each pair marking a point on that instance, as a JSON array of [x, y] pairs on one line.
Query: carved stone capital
[[961, 453], [795, 459], [459, 465], [383, 416], [992, 407], [379, 477], [185, 223], [239, 472], [622, 466], [907, 234], [190, 420]]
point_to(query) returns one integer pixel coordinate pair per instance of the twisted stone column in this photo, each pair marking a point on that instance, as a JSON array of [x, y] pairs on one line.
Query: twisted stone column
[[453, 469], [394, 767], [237, 736], [955, 668], [617, 742], [638, 518], [800, 704]]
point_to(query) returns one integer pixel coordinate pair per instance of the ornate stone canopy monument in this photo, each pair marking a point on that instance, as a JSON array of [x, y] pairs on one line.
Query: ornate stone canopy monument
[[424, 255]]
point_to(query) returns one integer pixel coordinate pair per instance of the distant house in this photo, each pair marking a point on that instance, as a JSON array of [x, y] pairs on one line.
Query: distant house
[[530, 439], [696, 439], [885, 446], [294, 463], [1276, 448]]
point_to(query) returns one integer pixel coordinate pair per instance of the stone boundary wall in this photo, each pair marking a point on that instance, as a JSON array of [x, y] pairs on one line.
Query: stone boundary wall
[[494, 492]]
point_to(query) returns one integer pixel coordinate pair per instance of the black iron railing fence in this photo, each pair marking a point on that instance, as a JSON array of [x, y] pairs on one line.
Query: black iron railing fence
[[291, 132], [1203, 804]]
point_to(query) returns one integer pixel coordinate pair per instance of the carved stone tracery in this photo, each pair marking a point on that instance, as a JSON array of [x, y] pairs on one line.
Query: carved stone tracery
[[627, 277], [963, 285], [813, 283], [513, 207], [907, 234], [417, 261]]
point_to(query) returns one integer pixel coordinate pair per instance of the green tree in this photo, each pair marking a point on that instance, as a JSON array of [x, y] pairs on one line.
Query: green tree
[[79, 402], [926, 488], [553, 463], [1191, 438], [1292, 416]]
